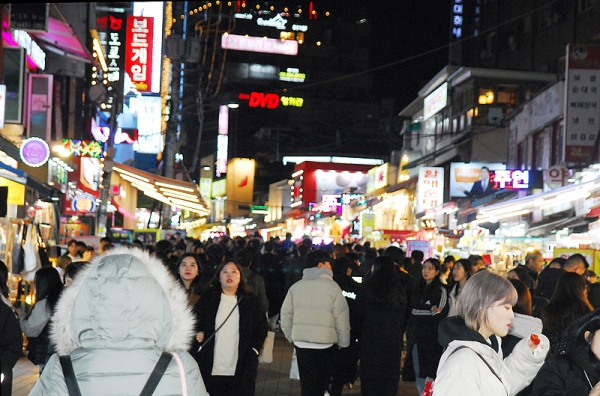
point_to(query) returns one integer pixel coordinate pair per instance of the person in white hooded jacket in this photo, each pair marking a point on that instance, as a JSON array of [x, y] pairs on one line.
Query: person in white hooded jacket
[[473, 362], [120, 314]]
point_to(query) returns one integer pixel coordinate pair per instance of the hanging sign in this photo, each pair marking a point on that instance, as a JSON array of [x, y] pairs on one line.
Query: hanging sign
[[34, 152]]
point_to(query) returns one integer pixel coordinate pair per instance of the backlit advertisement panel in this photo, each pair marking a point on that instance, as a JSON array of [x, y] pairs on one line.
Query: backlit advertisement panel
[[138, 62], [337, 182], [466, 178], [240, 186], [148, 111], [430, 188]]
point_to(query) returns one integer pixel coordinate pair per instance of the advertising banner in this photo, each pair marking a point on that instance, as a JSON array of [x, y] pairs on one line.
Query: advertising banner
[[467, 179]]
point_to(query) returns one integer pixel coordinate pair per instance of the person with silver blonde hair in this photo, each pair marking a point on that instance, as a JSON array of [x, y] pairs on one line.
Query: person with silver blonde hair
[[473, 363]]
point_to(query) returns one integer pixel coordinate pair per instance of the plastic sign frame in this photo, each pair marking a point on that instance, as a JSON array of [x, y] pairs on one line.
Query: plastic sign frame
[[34, 152]]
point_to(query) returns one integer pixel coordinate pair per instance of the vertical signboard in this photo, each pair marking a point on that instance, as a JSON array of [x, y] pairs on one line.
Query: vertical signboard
[[39, 121], [582, 102], [14, 78], [138, 62], [2, 104], [430, 188], [112, 29], [222, 141], [240, 186]]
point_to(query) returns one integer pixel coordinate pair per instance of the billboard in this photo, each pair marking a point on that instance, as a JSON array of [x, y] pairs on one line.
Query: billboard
[[336, 182], [467, 179]]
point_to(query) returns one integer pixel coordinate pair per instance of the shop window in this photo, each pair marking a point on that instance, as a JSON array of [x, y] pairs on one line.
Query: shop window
[[507, 95], [469, 116], [486, 96]]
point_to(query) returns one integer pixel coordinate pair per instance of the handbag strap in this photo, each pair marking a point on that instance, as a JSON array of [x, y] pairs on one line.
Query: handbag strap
[[149, 387], [482, 358], [157, 373], [221, 325], [69, 374]]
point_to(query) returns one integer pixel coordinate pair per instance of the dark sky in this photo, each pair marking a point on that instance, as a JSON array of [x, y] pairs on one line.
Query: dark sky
[[404, 29]]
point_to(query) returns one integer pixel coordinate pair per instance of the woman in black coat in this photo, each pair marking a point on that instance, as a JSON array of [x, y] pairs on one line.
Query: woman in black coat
[[577, 371], [380, 307], [429, 305], [244, 328]]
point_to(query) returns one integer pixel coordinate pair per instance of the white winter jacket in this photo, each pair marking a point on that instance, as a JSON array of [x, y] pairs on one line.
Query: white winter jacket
[[463, 373], [115, 320], [315, 310]]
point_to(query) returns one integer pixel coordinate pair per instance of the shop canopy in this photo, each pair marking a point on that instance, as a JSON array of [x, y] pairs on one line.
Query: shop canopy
[[179, 193], [550, 199], [61, 39]]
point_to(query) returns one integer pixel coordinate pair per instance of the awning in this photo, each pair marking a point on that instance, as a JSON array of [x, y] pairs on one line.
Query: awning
[[21, 177], [179, 193], [295, 212], [61, 40], [525, 205], [10, 173]]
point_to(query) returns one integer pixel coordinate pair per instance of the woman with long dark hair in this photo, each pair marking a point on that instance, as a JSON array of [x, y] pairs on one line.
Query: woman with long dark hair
[[429, 305], [35, 325], [461, 272], [232, 328], [577, 371], [189, 276], [568, 303], [380, 308]]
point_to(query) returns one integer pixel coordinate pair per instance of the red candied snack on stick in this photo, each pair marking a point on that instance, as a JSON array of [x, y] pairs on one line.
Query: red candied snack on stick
[[535, 339]]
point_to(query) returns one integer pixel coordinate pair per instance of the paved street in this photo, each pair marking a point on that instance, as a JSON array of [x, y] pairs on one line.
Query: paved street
[[273, 379]]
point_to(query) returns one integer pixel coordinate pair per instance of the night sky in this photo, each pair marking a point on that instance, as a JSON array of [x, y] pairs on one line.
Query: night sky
[[404, 29]]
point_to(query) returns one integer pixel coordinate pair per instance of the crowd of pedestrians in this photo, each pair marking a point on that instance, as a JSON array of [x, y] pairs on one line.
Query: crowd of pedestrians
[[351, 311]]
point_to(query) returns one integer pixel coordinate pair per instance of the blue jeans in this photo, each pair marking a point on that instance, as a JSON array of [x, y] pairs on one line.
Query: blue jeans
[[420, 382]]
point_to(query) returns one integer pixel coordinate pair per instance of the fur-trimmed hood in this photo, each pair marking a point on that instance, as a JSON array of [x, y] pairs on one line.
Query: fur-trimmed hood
[[124, 299]]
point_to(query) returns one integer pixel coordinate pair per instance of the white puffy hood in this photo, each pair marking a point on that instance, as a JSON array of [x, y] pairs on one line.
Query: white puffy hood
[[124, 299]]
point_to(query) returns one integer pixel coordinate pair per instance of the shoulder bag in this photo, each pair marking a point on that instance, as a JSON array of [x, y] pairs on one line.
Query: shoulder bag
[[221, 325]]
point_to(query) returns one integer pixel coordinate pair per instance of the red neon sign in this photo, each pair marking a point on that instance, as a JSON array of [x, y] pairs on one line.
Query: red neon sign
[[264, 100]]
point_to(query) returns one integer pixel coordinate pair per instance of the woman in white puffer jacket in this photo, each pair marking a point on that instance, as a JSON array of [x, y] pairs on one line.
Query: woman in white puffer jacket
[[473, 363], [121, 312]]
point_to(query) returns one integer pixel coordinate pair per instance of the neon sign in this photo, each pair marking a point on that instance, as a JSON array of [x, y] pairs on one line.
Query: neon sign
[[292, 75], [510, 179], [457, 19], [138, 63], [84, 148], [277, 22], [270, 100], [259, 44]]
